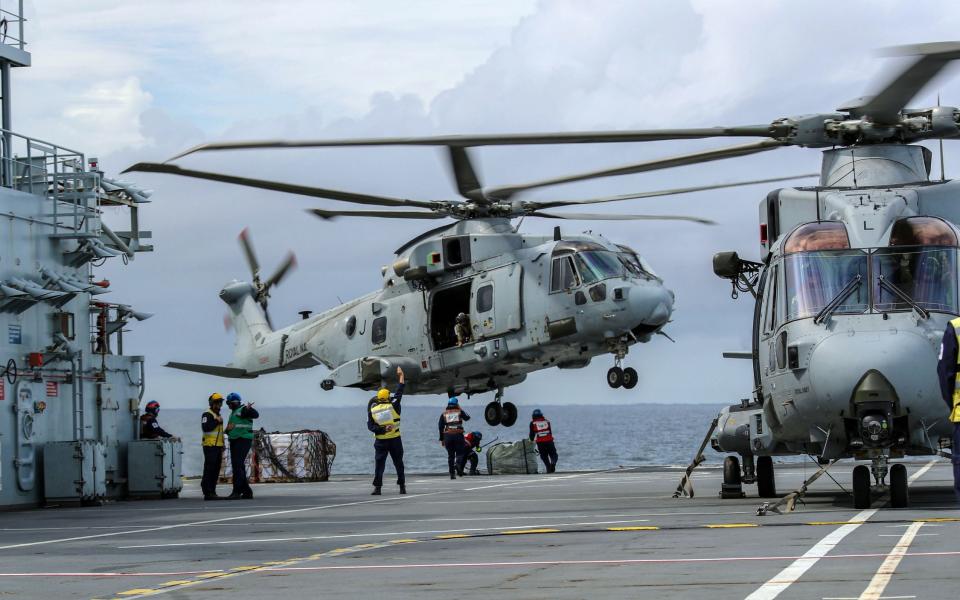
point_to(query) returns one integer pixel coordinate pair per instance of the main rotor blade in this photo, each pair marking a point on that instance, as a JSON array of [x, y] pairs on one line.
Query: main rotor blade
[[672, 192], [503, 193], [288, 263], [389, 214], [886, 105], [515, 139], [468, 184], [249, 253], [276, 186], [616, 217]]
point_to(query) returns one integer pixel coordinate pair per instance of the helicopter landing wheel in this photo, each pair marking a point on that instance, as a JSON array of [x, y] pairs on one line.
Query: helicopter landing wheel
[[509, 410], [732, 483], [766, 484], [493, 413], [899, 494], [615, 377], [861, 486], [630, 378]]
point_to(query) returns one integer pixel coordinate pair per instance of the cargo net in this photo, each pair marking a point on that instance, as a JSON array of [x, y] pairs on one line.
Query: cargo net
[[305, 455]]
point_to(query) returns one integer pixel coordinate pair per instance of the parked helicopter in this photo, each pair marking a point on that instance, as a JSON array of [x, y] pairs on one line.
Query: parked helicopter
[[531, 302], [857, 279]]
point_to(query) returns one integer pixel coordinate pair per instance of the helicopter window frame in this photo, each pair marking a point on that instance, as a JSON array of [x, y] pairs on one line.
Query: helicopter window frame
[[770, 317], [378, 330], [843, 309], [558, 274], [948, 253], [485, 298]]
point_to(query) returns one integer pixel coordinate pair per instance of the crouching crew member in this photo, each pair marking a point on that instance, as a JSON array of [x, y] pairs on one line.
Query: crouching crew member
[[240, 432], [471, 446], [211, 423], [149, 427], [451, 434], [948, 369], [542, 434], [383, 420]]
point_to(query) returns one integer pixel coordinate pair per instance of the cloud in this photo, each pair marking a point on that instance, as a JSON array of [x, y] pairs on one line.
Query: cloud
[[180, 72]]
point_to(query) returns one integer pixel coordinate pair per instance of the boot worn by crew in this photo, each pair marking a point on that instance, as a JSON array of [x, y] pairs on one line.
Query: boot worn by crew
[[235, 496], [403, 489], [247, 496], [474, 472], [376, 491], [213, 497]]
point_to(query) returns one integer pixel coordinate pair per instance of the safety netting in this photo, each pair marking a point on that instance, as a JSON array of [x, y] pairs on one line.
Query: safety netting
[[285, 457]]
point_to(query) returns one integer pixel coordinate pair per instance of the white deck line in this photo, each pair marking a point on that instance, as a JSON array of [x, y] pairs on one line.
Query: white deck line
[[883, 575]]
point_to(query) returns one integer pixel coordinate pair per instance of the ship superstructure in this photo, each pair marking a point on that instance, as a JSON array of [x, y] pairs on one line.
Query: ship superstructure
[[69, 397]]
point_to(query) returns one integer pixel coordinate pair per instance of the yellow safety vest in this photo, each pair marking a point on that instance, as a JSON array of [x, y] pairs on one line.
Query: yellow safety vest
[[955, 413], [215, 437], [385, 415]]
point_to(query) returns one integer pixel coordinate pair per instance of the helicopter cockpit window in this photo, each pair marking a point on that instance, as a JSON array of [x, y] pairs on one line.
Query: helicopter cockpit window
[[821, 235], [927, 276], [815, 279], [564, 275], [599, 265], [635, 264], [922, 231]]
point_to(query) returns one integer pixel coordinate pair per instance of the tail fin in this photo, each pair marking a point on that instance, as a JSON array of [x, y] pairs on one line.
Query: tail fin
[[249, 322]]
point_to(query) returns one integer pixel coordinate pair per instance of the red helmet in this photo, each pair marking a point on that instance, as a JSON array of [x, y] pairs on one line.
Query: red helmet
[[153, 407]]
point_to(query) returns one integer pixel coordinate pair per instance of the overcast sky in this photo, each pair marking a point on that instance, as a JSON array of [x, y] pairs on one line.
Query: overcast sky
[[128, 81]]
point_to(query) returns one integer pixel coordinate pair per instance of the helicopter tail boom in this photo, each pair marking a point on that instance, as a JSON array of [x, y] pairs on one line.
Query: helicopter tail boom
[[249, 321]]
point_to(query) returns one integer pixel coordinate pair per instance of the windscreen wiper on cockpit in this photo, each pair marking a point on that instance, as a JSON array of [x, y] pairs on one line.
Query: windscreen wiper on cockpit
[[834, 304], [893, 289]]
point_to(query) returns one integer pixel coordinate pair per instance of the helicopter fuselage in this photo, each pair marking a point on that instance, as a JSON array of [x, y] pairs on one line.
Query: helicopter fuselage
[[857, 283], [532, 303]]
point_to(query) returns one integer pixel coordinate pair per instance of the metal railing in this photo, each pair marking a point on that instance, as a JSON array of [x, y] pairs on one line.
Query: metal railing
[[11, 25]]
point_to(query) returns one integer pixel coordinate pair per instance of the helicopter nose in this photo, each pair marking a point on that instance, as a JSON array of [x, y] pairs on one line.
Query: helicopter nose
[[651, 306]]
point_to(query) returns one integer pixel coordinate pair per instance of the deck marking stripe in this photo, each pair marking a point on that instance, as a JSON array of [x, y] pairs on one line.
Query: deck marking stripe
[[883, 575], [730, 525], [639, 528], [920, 472], [220, 520], [527, 531], [540, 482], [785, 578]]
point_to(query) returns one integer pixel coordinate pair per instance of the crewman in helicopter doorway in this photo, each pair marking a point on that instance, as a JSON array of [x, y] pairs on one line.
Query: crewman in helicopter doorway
[[383, 421], [948, 370]]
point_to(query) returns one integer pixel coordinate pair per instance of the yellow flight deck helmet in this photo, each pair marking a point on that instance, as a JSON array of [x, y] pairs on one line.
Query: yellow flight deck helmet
[[215, 397], [383, 394]]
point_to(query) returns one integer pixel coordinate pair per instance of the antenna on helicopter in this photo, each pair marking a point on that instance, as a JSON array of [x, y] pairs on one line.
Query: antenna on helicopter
[[943, 173]]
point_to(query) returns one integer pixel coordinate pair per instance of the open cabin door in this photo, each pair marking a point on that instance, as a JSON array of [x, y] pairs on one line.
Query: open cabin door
[[496, 305]]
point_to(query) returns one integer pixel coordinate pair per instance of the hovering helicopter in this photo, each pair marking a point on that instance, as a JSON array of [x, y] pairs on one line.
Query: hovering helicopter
[[525, 302]]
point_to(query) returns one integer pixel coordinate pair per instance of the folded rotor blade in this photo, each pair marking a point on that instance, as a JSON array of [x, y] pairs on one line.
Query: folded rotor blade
[[672, 192], [468, 184], [886, 105], [249, 253], [288, 263], [617, 217], [503, 193], [389, 214], [573, 137], [276, 186]]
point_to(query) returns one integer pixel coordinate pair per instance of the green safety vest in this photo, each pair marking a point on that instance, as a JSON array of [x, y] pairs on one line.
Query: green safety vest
[[242, 428], [386, 416]]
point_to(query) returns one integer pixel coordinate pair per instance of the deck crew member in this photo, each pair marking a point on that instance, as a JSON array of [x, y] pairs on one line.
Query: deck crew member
[[471, 446], [149, 427], [451, 434], [211, 423], [948, 371], [383, 420], [461, 329], [240, 432], [542, 434]]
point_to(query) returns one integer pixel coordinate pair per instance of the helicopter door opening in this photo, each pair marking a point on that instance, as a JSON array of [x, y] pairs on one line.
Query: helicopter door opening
[[445, 305]]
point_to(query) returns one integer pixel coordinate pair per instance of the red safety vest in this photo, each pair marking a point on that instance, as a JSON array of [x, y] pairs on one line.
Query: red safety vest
[[541, 428], [452, 421], [469, 440]]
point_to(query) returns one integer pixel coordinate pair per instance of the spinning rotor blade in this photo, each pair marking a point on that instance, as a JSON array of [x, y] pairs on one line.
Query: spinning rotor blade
[[675, 191], [518, 139], [468, 184], [288, 263], [885, 106], [693, 158], [249, 253], [616, 217], [276, 186], [391, 214]]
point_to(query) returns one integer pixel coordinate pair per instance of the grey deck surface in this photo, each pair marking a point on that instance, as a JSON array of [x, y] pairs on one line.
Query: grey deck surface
[[334, 540]]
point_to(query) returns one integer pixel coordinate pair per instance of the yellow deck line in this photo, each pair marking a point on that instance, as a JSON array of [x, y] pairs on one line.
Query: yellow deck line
[[450, 536], [937, 520], [730, 525], [637, 528], [524, 531]]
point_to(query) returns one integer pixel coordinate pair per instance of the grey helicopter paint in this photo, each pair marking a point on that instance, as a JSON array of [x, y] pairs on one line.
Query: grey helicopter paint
[[532, 302]]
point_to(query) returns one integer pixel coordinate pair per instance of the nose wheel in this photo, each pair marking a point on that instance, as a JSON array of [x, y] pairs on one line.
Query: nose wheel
[[898, 488], [500, 413]]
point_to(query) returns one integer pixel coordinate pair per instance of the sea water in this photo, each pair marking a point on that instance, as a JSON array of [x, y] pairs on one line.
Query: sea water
[[587, 436]]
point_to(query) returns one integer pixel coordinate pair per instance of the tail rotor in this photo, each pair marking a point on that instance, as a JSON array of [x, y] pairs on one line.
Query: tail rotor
[[262, 288]]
